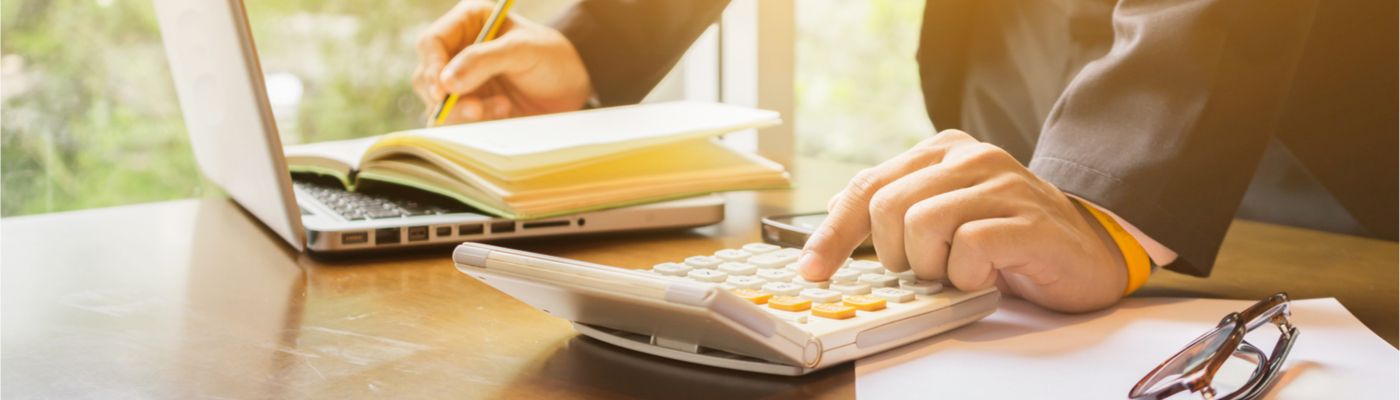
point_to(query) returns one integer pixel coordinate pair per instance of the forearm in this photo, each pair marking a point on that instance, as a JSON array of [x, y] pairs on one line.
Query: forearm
[[1167, 128]]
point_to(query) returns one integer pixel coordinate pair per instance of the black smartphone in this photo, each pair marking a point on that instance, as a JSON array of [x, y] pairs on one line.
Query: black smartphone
[[794, 229]]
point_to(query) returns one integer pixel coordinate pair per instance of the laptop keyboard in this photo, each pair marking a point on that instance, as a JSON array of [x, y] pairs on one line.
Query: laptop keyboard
[[363, 206]]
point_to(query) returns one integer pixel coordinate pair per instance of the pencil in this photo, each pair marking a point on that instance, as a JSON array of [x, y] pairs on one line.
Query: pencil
[[488, 32]]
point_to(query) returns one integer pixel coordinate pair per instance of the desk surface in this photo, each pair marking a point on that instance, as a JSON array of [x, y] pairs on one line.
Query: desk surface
[[194, 298]]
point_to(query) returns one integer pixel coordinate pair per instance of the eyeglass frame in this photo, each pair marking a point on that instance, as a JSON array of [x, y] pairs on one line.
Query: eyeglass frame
[[1199, 379]]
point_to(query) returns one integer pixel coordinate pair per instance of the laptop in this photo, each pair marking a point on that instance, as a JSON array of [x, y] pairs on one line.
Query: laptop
[[219, 80]]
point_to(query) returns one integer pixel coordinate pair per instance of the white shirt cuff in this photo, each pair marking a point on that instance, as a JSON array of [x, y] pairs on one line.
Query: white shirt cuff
[[1160, 254]]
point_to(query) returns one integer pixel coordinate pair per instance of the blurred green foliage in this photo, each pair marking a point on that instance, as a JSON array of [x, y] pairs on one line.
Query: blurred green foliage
[[857, 83], [90, 119]]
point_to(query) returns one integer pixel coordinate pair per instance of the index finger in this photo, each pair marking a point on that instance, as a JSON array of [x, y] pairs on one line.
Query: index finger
[[848, 222], [448, 34]]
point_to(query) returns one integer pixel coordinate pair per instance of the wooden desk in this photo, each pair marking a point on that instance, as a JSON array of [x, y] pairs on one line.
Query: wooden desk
[[194, 298]]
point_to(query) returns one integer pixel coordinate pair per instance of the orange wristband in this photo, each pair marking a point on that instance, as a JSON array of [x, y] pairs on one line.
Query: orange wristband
[[1139, 264]]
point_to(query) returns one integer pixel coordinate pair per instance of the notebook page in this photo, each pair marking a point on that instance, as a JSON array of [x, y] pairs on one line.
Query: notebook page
[[557, 139]]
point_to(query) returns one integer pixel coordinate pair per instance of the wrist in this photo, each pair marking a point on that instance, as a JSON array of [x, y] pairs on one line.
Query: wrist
[[1131, 255]]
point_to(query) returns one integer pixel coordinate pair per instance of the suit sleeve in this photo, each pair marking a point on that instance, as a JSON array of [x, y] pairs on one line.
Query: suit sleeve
[[1168, 127], [627, 46]]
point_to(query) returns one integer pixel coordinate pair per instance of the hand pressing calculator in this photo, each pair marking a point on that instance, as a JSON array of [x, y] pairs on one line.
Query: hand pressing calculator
[[744, 309]]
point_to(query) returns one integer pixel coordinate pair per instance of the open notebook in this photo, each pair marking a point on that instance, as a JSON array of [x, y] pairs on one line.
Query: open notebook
[[542, 166]]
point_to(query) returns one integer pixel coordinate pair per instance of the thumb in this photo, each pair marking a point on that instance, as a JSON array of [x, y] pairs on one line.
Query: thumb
[[478, 63]]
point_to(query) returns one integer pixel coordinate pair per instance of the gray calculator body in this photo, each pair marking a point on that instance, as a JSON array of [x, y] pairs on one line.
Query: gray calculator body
[[703, 323]]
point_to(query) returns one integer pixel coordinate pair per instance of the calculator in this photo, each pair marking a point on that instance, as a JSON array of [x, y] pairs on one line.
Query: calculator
[[743, 308]]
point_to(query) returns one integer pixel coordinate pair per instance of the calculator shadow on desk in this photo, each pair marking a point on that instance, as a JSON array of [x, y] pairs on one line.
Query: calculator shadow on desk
[[589, 364]]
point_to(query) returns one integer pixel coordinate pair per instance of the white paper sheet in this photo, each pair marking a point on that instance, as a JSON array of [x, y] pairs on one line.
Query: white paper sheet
[[1022, 351]]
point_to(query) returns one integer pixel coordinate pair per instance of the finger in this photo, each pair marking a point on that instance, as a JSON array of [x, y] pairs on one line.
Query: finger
[[446, 36], [467, 109], [495, 107], [421, 86], [983, 248], [848, 222], [931, 225], [890, 207], [478, 63]]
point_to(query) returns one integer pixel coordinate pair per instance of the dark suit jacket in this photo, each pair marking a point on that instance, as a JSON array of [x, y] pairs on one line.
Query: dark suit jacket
[[1158, 110]]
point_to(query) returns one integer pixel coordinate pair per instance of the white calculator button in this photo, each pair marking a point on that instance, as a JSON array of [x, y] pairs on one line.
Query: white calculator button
[[671, 269], [792, 267], [789, 252], [879, 280], [760, 248], [706, 262], [851, 288], [782, 288], [798, 318], [906, 276], [800, 281], [776, 275], [771, 260], [922, 287], [821, 295], [867, 267], [845, 275], [893, 295], [707, 275], [736, 268], [733, 255], [745, 282]]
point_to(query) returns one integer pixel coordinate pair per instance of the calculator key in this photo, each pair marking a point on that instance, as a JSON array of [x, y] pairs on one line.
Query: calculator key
[[727, 287], [775, 275], [733, 255], [922, 287], [707, 275], [671, 269], [753, 296], [865, 303], [820, 295], [735, 268], [771, 260], [906, 276], [789, 303], [833, 311], [867, 267], [706, 262], [879, 280], [760, 248], [851, 288], [792, 267], [845, 275], [789, 252], [794, 317], [800, 281], [893, 295], [782, 288], [745, 282]]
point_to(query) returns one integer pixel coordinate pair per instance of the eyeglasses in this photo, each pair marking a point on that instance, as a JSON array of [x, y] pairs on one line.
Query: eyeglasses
[[1193, 369]]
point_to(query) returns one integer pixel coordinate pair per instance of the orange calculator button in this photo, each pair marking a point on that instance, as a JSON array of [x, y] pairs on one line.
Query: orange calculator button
[[833, 310], [754, 296], [865, 303], [789, 303]]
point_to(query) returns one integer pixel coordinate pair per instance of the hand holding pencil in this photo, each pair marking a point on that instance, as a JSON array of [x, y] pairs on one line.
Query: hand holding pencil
[[496, 65]]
